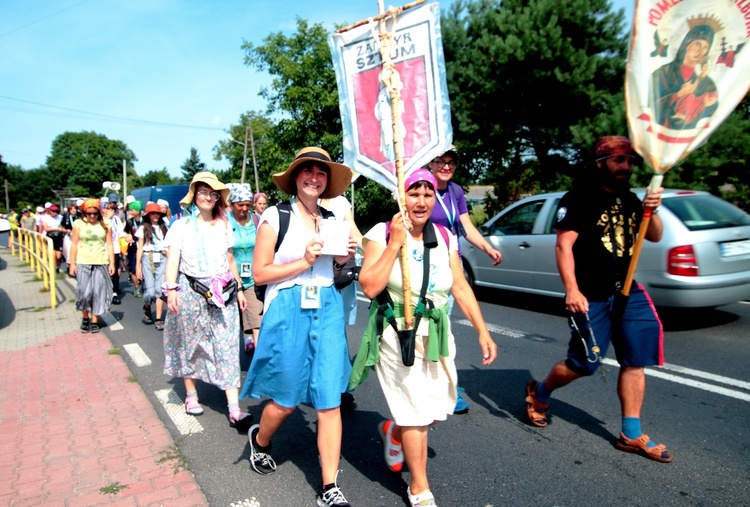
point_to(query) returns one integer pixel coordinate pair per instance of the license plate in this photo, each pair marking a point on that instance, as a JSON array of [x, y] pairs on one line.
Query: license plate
[[732, 248]]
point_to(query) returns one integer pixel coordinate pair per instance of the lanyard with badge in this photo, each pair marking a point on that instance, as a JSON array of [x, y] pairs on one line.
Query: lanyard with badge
[[245, 267], [310, 291], [450, 215]]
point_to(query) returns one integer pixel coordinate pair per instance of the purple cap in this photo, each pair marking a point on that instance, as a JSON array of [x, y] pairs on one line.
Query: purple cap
[[420, 175]]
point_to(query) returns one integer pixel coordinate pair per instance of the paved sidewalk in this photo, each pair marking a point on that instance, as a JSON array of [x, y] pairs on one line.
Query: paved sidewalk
[[74, 431]]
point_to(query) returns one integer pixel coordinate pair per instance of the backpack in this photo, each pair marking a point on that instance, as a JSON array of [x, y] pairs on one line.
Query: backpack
[[285, 210]]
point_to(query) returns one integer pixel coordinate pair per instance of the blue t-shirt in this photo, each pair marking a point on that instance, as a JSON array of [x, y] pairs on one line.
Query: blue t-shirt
[[244, 247]]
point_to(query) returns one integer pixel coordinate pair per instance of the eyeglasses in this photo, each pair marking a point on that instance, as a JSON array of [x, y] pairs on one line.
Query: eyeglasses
[[241, 204], [206, 194], [92, 213], [440, 163]]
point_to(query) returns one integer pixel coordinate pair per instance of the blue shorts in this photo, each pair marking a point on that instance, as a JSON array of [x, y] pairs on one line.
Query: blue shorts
[[638, 340]]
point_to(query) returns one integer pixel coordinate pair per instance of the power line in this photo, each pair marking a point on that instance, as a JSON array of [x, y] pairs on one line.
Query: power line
[[41, 19], [110, 116]]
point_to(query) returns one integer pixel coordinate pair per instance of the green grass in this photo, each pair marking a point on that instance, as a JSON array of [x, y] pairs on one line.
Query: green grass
[[115, 351], [174, 457], [112, 488], [132, 378]]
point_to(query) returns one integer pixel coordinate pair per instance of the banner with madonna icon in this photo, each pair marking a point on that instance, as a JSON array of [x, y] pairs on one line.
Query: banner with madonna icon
[[688, 68]]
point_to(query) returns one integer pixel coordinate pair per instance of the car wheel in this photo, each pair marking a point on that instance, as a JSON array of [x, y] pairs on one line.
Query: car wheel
[[469, 275]]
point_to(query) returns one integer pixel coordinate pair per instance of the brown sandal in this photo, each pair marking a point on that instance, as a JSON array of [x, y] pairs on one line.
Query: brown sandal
[[640, 446], [535, 409]]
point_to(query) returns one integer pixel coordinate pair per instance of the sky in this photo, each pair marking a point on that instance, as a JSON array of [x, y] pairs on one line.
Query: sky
[[162, 76]]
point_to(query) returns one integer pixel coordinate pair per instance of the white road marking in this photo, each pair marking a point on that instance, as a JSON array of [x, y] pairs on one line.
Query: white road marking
[[708, 376], [659, 372], [506, 331], [186, 424], [115, 326], [136, 354], [655, 372]]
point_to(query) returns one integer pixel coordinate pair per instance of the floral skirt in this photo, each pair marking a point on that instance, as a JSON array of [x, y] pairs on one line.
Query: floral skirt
[[201, 341]]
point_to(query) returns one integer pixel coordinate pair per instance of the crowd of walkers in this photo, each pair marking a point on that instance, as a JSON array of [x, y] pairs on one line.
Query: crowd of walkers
[[277, 281]]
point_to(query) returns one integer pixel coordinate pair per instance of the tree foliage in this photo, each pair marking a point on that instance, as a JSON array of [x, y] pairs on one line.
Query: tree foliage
[[157, 177], [533, 84], [81, 161], [192, 165], [527, 78], [303, 94], [268, 158], [303, 91]]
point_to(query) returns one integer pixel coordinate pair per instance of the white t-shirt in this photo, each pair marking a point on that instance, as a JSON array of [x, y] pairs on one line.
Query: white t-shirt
[[51, 222], [441, 276], [293, 248], [115, 226], [203, 247], [157, 243], [338, 205]]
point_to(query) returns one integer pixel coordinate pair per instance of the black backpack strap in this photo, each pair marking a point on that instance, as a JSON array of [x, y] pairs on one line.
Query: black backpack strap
[[326, 214], [285, 211], [384, 301]]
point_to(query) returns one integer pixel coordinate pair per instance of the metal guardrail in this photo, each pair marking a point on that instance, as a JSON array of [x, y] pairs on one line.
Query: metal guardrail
[[36, 249]]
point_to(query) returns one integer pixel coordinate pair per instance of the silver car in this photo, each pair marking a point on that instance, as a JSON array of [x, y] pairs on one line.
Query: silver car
[[702, 261]]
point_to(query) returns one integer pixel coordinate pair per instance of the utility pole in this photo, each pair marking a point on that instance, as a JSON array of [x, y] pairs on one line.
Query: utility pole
[[244, 155], [255, 166], [124, 182]]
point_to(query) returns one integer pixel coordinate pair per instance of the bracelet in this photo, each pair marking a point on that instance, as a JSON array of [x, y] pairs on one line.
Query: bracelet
[[337, 266], [166, 287]]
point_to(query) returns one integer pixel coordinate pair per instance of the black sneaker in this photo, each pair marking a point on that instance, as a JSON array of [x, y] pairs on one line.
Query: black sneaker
[[115, 299], [333, 496], [260, 459], [347, 403], [147, 319]]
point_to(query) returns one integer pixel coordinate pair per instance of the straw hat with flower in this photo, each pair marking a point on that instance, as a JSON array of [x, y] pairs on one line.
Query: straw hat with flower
[[338, 181]]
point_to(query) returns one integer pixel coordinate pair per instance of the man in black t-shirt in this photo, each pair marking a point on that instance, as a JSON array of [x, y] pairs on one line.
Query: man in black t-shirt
[[596, 227]]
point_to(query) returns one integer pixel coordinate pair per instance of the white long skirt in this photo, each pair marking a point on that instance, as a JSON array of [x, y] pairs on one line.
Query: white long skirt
[[420, 394]]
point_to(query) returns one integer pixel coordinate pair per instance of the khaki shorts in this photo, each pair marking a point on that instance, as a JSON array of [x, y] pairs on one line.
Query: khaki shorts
[[251, 316]]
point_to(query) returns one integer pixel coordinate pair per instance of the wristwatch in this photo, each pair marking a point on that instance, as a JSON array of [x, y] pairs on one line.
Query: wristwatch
[[337, 266]]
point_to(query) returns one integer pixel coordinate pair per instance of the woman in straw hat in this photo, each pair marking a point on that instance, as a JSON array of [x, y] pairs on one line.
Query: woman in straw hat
[[302, 356], [201, 335], [425, 392], [92, 262]]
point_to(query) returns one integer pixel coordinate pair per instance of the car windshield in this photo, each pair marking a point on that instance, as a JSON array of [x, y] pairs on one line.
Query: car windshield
[[703, 212]]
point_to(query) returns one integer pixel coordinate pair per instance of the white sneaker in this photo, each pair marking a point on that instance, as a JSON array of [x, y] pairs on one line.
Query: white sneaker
[[393, 453], [424, 499]]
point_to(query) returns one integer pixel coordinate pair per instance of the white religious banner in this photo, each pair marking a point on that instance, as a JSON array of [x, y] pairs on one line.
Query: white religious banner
[[688, 68], [366, 112]]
